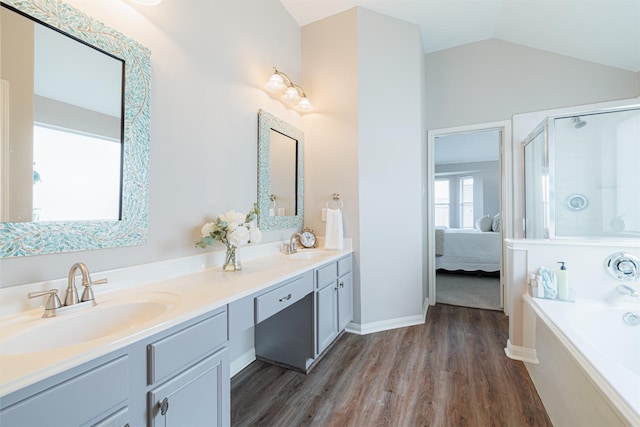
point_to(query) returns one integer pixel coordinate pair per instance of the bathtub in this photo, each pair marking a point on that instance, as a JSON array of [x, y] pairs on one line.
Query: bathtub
[[606, 349]]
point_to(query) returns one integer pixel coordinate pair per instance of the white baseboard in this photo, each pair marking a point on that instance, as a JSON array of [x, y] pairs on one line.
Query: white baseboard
[[385, 325], [524, 354], [242, 361], [425, 307]]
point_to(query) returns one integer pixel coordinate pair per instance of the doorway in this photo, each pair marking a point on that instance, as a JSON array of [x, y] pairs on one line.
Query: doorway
[[467, 215]]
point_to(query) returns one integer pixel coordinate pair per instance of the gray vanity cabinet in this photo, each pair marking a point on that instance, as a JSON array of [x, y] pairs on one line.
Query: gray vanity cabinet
[[334, 301], [189, 372], [183, 372]]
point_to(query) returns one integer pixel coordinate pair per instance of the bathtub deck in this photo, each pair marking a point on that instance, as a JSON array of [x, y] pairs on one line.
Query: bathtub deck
[[450, 371]]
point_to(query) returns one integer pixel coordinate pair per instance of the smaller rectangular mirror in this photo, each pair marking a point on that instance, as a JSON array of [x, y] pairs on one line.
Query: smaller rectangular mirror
[[280, 173]]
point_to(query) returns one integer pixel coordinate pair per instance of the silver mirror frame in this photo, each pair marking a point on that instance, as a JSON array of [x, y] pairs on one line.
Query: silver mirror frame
[[33, 238], [266, 122]]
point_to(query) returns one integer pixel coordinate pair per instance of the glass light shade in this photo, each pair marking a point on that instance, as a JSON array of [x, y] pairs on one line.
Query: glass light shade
[[275, 84], [291, 95], [304, 106]]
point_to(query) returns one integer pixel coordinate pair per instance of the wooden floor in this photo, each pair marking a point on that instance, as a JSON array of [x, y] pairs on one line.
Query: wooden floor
[[451, 371]]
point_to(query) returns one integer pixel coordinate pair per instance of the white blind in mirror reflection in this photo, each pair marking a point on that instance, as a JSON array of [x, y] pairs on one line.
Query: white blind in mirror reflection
[[76, 177]]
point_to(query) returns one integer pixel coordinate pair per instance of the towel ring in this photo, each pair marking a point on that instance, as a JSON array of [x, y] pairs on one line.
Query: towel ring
[[335, 202]]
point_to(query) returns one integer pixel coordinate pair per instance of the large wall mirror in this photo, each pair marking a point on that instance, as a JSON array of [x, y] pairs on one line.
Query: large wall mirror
[[280, 173], [75, 132], [581, 176]]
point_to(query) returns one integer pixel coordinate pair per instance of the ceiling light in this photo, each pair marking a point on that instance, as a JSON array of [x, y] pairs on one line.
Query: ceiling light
[[292, 94]]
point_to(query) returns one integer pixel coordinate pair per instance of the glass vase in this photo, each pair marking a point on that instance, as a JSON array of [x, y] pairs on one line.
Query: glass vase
[[232, 259]]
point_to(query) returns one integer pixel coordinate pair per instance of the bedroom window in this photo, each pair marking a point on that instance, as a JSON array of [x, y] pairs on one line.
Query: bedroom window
[[441, 187], [466, 202]]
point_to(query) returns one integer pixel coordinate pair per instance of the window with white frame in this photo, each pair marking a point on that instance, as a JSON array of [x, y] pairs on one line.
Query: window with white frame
[[442, 202], [466, 202]]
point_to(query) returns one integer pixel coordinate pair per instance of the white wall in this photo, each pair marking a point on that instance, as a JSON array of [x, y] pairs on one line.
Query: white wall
[[366, 142], [390, 147], [330, 65], [491, 80], [209, 63]]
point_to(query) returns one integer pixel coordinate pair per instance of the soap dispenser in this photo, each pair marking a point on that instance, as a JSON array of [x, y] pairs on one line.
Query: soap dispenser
[[563, 282]]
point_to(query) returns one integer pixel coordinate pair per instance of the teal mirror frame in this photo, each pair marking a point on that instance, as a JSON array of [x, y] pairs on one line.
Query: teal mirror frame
[[266, 122], [34, 238]]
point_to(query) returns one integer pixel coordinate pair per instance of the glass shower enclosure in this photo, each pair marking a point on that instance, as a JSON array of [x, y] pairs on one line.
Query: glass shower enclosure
[[582, 175]]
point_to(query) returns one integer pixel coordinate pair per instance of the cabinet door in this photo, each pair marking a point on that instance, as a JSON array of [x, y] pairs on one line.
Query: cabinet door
[[345, 301], [327, 312], [199, 396], [119, 418]]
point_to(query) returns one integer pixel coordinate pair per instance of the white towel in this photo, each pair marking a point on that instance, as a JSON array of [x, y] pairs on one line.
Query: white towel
[[334, 234]]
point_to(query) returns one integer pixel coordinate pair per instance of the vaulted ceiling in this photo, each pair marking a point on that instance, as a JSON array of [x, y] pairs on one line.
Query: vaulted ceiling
[[602, 31]]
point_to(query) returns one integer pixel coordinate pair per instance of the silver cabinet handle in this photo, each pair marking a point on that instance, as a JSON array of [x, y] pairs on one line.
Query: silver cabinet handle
[[342, 284], [288, 297], [164, 406]]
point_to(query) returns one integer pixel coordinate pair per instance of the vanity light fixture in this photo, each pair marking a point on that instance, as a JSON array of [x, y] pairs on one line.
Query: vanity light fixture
[[292, 94]]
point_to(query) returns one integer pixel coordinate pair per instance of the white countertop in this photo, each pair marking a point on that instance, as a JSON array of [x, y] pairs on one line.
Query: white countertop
[[197, 293]]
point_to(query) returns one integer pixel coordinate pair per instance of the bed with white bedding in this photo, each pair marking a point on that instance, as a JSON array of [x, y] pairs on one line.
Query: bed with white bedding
[[467, 250]]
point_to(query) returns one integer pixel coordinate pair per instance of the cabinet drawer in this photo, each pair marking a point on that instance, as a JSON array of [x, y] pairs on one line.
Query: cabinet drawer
[[282, 297], [344, 265], [186, 346], [326, 275], [75, 401]]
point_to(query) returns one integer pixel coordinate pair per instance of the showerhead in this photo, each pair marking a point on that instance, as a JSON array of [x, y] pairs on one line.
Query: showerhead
[[578, 122]]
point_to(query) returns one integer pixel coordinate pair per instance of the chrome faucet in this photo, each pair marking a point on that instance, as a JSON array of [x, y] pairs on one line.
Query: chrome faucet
[[628, 290], [53, 302], [72, 292], [292, 247]]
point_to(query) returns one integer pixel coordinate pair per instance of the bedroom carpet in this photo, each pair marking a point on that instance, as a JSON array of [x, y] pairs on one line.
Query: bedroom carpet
[[468, 290]]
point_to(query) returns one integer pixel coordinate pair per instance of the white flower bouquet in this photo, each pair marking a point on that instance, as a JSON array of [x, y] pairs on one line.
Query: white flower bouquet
[[234, 230]]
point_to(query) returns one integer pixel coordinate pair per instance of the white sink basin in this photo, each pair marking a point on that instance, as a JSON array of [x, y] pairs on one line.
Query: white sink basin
[[87, 325], [309, 254]]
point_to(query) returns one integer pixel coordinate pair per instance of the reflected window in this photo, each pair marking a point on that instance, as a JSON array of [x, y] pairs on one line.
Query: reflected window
[[442, 202], [72, 170], [466, 202]]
